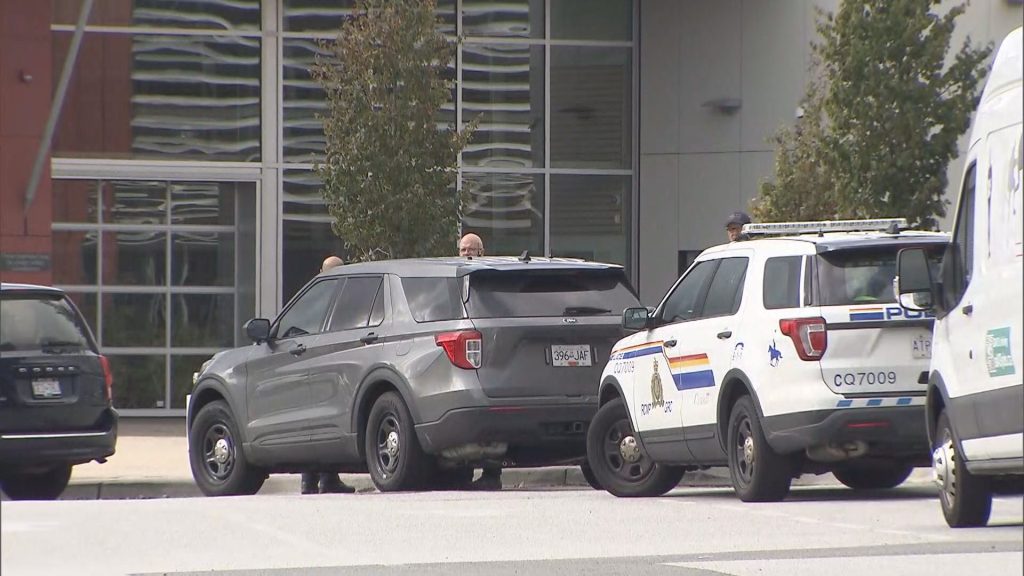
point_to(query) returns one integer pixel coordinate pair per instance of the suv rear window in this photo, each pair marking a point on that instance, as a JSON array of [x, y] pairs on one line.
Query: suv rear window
[[847, 277], [526, 293], [35, 322], [433, 299]]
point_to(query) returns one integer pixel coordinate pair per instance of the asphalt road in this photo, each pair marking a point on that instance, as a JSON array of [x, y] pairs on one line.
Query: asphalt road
[[817, 530]]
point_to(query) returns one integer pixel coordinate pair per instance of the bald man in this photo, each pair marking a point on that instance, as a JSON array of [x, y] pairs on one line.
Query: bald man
[[471, 245], [325, 482]]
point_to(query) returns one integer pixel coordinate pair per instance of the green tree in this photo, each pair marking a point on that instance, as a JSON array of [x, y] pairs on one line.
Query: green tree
[[391, 161], [883, 114]]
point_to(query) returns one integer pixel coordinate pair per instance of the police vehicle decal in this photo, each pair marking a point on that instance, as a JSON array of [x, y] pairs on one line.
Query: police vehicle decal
[[692, 371], [874, 402], [868, 313], [637, 351]]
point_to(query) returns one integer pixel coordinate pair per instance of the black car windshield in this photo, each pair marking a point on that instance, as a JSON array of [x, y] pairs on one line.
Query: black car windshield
[[519, 293], [39, 322]]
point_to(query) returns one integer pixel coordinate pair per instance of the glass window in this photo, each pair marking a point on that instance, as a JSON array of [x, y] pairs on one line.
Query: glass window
[[591, 107], [590, 217], [856, 276], [134, 202], [327, 16], [506, 210], [204, 203], [87, 306], [74, 258], [203, 259], [307, 235], [306, 315], [433, 299], [161, 96], [781, 288], [139, 381], [40, 322], [592, 20], [686, 299], [203, 320], [520, 294], [353, 307], [135, 258], [726, 291], [956, 274], [134, 320], [76, 201], [204, 14], [503, 87], [506, 19], [304, 100]]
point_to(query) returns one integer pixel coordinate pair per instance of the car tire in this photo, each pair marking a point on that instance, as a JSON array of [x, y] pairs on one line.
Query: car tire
[[47, 485], [872, 475], [393, 454], [215, 454], [588, 475], [619, 462], [966, 499], [758, 473]]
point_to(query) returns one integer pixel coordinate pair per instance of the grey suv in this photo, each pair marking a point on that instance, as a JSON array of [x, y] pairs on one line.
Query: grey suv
[[412, 370]]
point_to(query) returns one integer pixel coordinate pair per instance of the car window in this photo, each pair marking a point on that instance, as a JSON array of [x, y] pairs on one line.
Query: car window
[[726, 291], [306, 315], [956, 273], [538, 293], [862, 275], [34, 322], [433, 299], [684, 302], [352, 308], [781, 287]]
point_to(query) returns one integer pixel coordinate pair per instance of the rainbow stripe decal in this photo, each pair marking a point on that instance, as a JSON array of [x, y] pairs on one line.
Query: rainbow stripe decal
[[867, 313], [693, 371], [637, 351]]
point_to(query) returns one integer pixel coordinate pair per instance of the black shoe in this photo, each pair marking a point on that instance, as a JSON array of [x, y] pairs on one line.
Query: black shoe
[[488, 481], [310, 484], [331, 484]]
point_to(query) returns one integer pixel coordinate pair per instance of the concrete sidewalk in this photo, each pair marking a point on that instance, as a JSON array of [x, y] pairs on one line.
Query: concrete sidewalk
[[152, 462]]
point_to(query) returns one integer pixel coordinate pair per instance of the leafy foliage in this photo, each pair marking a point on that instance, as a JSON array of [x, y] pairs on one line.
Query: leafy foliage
[[391, 161], [883, 114]]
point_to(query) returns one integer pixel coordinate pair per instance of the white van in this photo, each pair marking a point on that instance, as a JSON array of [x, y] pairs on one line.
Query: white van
[[975, 405]]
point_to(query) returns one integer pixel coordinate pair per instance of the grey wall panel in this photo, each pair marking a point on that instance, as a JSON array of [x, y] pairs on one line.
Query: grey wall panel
[[709, 60], [659, 228], [659, 76], [708, 185]]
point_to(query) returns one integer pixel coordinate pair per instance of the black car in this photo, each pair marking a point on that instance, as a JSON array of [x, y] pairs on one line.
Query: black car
[[55, 393], [413, 370]]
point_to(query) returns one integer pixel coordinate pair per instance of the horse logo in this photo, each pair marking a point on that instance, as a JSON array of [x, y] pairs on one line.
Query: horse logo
[[774, 356]]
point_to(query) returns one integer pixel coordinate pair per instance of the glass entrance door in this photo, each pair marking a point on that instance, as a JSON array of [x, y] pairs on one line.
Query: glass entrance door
[[165, 273]]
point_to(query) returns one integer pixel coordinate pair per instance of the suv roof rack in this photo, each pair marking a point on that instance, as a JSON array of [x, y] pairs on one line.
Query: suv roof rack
[[890, 225]]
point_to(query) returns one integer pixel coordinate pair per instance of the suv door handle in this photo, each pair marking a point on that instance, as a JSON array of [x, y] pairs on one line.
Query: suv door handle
[[725, 335], [968, 310], [369, 338], [670, 343], [298, 350]]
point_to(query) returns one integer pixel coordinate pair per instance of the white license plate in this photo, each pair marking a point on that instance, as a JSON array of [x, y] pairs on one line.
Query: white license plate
[[46, 388], [562, 355], [922, 347]]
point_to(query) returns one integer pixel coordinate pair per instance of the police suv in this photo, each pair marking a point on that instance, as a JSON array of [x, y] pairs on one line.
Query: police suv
[[782, 355]]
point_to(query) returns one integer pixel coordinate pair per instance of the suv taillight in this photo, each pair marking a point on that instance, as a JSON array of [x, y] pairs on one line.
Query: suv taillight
[[108, 377], [809, 335], [464, 348]]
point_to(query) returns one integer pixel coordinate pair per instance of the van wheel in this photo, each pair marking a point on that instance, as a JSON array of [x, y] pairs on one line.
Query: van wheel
[[966, 499], [47, 485], [617, 460], [218, 463], [393, 454], [759, 474], [872, 475]]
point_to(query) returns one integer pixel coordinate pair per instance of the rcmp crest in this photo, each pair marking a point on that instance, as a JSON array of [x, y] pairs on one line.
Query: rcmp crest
[[657, 393]]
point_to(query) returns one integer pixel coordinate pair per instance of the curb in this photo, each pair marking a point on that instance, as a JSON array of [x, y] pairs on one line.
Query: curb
[[283, 484]]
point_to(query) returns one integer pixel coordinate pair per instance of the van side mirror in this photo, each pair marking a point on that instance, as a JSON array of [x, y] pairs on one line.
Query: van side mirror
[[258, 330], [913, 285], [636, 318]]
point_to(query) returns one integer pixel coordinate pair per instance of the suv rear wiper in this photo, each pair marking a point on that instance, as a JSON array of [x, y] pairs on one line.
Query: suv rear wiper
[[577, 310]]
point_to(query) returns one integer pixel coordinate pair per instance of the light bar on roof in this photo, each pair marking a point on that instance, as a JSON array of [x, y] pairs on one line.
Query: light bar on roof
[[827, 226]]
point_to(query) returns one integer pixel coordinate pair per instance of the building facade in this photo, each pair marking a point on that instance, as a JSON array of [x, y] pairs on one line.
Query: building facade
[[177, 196]]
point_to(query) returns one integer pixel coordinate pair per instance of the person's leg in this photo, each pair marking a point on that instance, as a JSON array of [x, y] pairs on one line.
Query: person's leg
[[310, 481], [490, 478], [330, 483]]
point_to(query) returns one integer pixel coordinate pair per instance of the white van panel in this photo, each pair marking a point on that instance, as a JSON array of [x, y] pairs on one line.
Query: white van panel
[[994, 447]]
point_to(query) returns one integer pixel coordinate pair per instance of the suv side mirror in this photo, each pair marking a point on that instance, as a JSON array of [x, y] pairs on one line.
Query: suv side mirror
[[913, 285], [636, 318], [258, 330]]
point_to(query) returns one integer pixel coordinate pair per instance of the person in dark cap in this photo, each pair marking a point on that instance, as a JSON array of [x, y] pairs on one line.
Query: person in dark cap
[[734, 226]]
